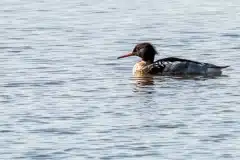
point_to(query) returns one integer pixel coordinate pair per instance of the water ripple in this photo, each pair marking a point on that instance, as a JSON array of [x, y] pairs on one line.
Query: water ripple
[[64, 94]]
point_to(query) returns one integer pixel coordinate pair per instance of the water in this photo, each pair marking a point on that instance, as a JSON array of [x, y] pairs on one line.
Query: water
[[64, 95]]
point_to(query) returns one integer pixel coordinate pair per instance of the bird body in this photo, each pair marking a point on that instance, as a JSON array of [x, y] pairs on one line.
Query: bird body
[[170, 65]]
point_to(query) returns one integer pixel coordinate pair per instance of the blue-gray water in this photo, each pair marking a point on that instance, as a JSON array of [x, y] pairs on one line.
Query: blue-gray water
[[64, 95]]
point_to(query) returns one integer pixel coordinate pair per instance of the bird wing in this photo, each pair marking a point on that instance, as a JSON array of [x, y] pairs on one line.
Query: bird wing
[[175, 59]]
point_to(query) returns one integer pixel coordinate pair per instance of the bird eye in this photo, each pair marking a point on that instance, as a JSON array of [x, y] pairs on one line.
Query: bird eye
[[141, 50]]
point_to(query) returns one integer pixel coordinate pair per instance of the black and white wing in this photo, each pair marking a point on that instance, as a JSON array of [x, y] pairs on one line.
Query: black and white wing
[[174, 65]]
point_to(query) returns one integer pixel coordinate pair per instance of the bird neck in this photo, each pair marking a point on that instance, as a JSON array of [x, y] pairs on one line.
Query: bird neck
[[147, 62]]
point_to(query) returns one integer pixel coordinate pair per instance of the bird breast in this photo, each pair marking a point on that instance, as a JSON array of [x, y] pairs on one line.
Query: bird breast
[[141, 69]]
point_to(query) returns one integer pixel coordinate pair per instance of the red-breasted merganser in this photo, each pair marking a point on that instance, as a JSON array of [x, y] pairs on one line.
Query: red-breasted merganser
[[170, 65]]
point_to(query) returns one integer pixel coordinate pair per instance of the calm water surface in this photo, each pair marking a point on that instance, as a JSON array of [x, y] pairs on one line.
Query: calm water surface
[[64, 95]]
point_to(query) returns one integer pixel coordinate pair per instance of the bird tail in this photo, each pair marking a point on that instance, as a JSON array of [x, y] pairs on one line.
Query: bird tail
[[220, 67]]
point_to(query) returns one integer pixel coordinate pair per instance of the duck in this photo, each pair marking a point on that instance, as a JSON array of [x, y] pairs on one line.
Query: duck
[[170, 65]]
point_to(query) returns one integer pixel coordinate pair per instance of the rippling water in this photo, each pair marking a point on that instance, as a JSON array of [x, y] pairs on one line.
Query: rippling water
[[64, 95]]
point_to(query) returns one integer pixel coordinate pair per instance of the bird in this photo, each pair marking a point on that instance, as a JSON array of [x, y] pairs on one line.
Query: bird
[[170, 65]]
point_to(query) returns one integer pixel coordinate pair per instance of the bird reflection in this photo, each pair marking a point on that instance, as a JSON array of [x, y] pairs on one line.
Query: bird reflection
[[143, 80]]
